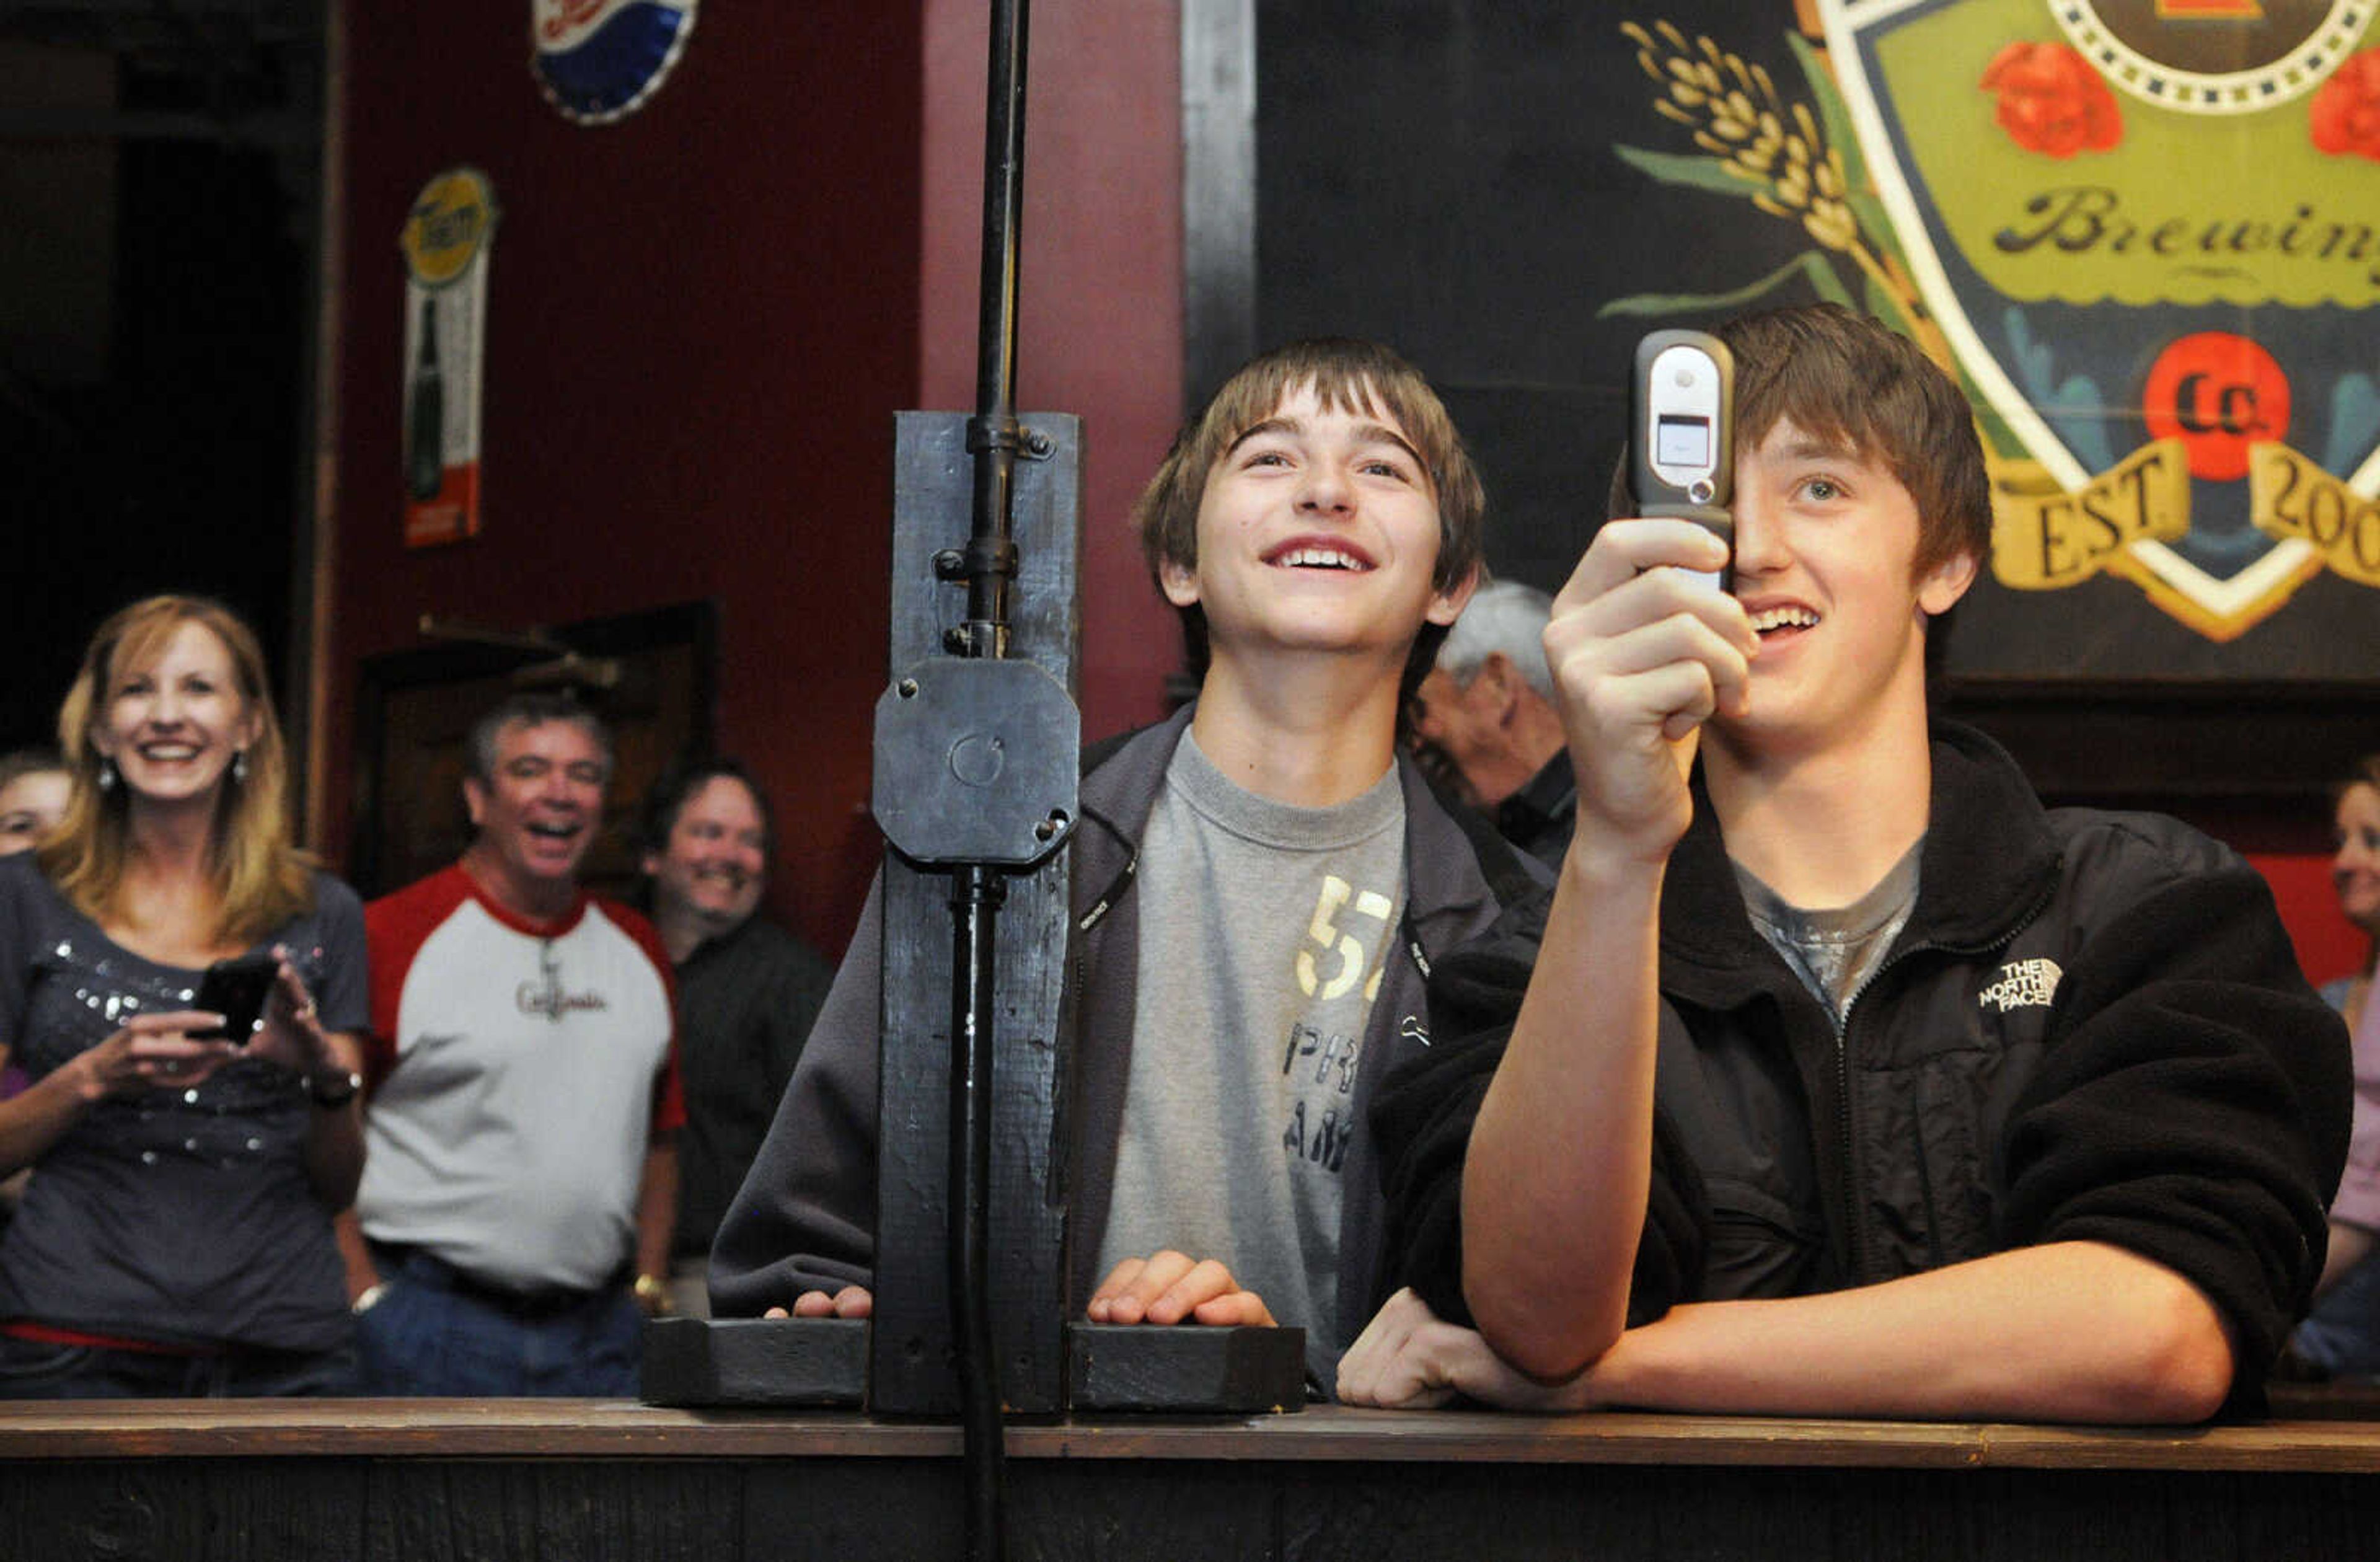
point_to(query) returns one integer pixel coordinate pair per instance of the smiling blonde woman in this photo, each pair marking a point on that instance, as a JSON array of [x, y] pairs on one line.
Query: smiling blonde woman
[[176, 1238]]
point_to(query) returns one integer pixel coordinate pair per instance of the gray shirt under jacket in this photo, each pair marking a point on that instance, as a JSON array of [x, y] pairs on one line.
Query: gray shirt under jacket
[[806, 1218], [1834, 951], [1264, 926]]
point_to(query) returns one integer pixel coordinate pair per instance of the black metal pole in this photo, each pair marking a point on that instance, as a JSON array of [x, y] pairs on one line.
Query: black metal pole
[[992, 433], [977, 890], [975, 894]]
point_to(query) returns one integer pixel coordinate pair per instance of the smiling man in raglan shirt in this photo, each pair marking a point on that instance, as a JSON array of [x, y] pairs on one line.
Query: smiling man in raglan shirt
[[513, 1227]]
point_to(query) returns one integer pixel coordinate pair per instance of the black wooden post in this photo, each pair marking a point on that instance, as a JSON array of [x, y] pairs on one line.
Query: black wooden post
[[914, 1346]]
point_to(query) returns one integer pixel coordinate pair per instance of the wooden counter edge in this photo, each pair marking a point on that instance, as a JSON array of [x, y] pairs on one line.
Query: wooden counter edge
[[532, 1429]]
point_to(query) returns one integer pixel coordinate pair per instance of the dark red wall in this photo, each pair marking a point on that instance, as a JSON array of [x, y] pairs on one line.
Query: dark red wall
[[700, 322], [1100, 283], [2329, 944]]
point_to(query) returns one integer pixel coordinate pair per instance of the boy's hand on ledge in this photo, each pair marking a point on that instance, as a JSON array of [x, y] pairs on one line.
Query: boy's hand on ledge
[[1171, 1287], [852, 1301], [1408, 1359]]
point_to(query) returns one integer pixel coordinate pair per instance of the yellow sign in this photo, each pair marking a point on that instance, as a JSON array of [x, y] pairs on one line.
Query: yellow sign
[[450, 223], [446, 242]]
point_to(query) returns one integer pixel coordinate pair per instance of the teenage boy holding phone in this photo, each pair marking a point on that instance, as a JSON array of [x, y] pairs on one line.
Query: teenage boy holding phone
[[1260, 885], [1896, 1094]]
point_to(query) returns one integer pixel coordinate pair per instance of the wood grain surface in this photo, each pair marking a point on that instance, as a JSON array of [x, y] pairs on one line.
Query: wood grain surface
[[574, 1481]]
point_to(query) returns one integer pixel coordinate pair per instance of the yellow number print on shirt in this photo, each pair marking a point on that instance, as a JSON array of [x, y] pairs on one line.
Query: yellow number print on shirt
[[1347, 954]]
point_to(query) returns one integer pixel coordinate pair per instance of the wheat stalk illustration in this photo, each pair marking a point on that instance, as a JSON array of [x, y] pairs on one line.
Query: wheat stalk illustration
[[1737, 116]]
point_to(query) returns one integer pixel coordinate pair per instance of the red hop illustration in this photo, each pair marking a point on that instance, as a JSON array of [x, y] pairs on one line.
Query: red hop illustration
[[2345, 112], [2051, 100]]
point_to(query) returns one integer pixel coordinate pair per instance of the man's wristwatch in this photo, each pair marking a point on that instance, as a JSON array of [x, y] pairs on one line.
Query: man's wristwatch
[[330, 1091]]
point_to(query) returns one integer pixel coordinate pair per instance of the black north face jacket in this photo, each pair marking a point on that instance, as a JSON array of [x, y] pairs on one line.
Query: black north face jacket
[[2092, 1027]]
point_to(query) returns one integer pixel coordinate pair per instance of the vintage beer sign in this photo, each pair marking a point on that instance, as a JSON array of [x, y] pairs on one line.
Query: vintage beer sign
[[2144, 233], [598, 60], [445, 243]]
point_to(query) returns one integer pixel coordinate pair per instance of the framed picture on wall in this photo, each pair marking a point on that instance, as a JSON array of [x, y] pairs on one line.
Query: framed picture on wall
[[652, 675]]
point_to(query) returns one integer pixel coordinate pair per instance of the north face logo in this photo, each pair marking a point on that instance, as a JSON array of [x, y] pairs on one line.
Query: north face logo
[[2022, 984]]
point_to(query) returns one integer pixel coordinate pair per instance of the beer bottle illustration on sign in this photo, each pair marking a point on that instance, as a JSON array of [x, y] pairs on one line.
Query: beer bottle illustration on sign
[[425, 457]]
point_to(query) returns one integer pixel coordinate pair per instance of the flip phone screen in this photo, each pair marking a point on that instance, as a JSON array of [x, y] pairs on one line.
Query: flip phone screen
[[1682, 442]]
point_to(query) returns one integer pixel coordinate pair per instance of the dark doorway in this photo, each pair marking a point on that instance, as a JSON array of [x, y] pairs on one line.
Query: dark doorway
[[159, 168]]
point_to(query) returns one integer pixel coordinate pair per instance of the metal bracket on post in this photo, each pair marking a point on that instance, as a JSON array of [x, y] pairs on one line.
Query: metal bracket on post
[[975, 762]]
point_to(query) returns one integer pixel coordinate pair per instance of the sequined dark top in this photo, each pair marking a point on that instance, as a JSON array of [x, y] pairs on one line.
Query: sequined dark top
[[183, 1217]]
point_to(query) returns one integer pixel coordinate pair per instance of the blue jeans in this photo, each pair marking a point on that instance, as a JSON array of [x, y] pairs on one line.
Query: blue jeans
[[426, 1337], [2342, 1337], [36, 1369]]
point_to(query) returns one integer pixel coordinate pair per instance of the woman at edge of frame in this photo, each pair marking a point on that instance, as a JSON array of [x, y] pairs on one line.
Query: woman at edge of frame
[[176, 1239], [2340, 1338]]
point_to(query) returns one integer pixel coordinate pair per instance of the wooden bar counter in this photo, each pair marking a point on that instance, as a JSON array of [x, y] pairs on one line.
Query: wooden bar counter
[[577, 1480]]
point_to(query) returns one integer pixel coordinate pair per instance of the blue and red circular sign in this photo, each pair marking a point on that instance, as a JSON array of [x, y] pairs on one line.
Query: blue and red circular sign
[[598, 60]]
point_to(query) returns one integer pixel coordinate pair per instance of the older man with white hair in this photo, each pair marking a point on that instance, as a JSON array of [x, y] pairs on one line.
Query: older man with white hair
[[1487, 709]]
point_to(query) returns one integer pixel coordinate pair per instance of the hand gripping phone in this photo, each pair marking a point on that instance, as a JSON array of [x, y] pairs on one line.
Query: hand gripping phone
[[237, 990], [1681, 435]]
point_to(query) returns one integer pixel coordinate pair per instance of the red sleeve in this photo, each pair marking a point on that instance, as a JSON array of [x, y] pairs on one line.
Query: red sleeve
[[396, 926]]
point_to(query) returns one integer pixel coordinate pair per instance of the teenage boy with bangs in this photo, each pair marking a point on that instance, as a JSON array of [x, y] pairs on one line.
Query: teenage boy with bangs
[[1259, 886], [1899, 1096]]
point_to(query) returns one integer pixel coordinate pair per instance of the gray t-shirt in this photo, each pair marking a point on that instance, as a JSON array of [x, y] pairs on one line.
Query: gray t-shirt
[[1833, 952], [1264, 929]]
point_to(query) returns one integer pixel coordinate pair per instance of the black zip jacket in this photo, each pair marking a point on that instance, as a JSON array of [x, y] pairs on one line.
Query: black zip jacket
[[2092, 1027]]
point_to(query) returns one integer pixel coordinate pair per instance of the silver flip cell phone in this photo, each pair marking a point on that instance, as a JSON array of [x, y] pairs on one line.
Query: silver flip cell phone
[[1682, 434]]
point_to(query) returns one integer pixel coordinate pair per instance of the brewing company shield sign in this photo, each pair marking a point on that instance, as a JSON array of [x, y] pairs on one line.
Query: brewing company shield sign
[[2147, 232]]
